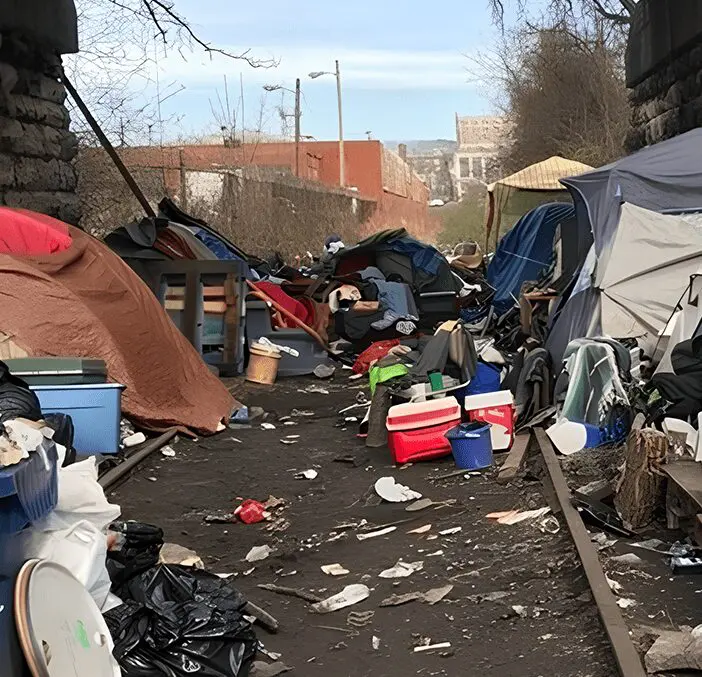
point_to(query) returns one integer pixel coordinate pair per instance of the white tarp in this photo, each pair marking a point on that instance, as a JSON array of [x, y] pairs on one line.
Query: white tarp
[[647, 271]]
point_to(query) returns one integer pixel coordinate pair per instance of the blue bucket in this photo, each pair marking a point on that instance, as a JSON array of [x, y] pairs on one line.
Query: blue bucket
[[471, 445]]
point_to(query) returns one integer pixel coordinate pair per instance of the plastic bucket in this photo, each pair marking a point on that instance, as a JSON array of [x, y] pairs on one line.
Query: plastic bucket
[[471, 445], [263, 364]]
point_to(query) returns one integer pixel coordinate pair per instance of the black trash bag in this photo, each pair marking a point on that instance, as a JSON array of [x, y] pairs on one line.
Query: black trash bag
[[137, 550], [64, 432], [16, 399], [181, 622]]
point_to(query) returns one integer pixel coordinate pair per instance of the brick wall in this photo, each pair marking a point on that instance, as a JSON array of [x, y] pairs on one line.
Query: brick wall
[[36, 146]]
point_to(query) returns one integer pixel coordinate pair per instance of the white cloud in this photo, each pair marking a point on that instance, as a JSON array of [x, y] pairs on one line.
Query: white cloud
[[372, 68]]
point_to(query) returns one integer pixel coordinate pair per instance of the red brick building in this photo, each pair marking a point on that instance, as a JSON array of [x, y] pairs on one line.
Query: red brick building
[[373, 171]]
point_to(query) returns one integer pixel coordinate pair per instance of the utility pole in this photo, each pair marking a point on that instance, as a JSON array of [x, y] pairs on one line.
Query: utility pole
[[342, 158], [298, 115]]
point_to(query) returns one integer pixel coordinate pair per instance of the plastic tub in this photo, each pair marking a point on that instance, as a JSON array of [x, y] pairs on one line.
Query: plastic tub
[[28, 491], [471, 445], [95, 409], [497, 409]]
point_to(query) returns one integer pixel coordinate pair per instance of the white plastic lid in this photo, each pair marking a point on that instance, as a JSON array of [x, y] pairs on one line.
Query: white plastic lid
[[485, 400]]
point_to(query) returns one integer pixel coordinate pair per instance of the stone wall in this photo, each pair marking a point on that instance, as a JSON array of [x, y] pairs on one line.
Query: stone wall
[[664, 70], [36, 146]]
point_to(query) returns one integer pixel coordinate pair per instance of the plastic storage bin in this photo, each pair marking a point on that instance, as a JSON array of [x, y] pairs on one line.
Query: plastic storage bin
[[416, 430], [471, 445], [28, 491], [95, 410], [56, 371], [497, 409]]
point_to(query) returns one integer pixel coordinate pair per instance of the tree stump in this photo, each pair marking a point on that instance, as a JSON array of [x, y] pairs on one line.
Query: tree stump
[[642, 485]]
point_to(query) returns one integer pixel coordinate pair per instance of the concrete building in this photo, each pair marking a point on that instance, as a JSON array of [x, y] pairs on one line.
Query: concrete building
[[479, 140]]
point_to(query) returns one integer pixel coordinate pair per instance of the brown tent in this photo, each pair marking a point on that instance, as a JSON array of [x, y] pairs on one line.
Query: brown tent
[[86, 302]]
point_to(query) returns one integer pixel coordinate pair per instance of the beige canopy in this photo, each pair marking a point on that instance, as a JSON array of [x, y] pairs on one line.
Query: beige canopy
[[513, 196]]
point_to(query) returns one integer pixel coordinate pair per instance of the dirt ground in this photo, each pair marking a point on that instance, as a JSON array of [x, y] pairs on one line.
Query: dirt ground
[[544, 622]]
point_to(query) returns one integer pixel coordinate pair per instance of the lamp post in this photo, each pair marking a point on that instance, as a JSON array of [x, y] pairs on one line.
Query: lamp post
[[337, 74], [298, 115]]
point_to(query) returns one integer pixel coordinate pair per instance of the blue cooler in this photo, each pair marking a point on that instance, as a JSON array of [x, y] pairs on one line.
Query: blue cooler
[[471, 445]]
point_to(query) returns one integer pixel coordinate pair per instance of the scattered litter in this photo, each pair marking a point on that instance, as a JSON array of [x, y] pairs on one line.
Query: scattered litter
[[399, 600], [273, 655], [334, 570], [172, 553], [219, 518], [438, 553], [653, 545], [375, 643], [151, 479], [392, 492], [258, 553], [351, 459], [674, 652], [261, 669], [546, 637], [248, 572], [451, 531], [292, 437], [313, 390], [287, 441], [301, 412], [373, 534], [421, 530], [251, 512], [267, 426], [324, 371], [435, 595], [627, 558], [291, 592], [402, 570], [168, 452], [421, 504], [615, 586], [289, 573], [306, 475], [489, 597], [133, 440], [351, 594], [624, 603], [549, 525], [236, 439], [272, 503], [432, 647], [520, 610], [511, 517], [359, 619], [602, 541]]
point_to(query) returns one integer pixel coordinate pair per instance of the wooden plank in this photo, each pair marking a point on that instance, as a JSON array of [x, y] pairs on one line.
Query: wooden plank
[[688, 476], [515, 459], [625, 653], [231, 319]]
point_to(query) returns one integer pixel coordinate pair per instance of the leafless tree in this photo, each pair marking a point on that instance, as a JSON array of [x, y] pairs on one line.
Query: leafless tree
[[618, 11]]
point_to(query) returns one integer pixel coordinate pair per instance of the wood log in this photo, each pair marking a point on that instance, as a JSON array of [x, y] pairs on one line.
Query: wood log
[[641, 488]]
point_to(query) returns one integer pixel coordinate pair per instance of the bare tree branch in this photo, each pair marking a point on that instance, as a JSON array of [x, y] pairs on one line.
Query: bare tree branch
[[617, 18]]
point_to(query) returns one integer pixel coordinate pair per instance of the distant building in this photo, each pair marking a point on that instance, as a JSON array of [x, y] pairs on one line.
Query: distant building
[[479, 141], [435, 169]]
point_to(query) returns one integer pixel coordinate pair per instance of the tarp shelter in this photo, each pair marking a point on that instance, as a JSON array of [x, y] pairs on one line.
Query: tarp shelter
[[86, 302], [648, 270], [513, 196], [526, 252], [666, 176]]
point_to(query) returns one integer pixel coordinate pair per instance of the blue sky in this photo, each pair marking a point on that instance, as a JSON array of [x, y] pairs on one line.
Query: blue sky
[[403, 64]]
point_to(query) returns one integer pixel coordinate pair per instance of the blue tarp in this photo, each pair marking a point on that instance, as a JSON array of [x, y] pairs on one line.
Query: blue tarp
[[525, 252]]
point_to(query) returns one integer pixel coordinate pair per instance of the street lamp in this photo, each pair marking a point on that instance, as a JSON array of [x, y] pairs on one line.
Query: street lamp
[[298, 115], [318, 74]]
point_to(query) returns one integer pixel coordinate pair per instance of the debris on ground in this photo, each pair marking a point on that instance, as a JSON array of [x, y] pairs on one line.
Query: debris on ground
[[261, 669], [374, 534], [674, 652], [334, 570], [310, 474], [432, 647], [258, 553], [171, 553], [421, 530], [350, 595], [394, 492], [516, 516], [251, 512], [402, 570], [360, 619]]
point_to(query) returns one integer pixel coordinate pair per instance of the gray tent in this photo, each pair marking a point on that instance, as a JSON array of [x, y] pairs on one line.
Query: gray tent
[[664, 177]]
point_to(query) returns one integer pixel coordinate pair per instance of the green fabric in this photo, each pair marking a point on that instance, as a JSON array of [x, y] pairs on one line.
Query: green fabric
[[381, 374]]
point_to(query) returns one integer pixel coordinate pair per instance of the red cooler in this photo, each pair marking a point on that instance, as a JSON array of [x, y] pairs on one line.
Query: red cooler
[[497, 409], [416, 429]]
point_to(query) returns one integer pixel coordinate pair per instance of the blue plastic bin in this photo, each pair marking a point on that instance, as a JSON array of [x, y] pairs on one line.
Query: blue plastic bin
[[28, 491], [471, 445], [95, 409]]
